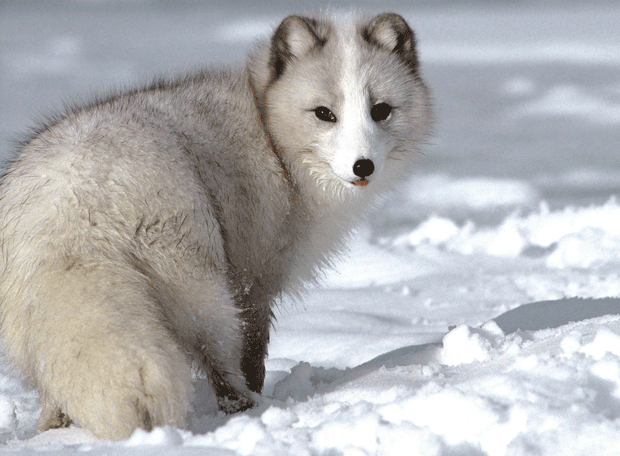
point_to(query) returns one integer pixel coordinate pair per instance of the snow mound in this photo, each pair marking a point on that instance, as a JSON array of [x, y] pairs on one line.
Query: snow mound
[[163, 436], [482, 392], [464, 345], [568, 238]]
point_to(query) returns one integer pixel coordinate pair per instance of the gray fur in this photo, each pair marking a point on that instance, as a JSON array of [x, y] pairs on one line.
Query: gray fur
[[148, 235]]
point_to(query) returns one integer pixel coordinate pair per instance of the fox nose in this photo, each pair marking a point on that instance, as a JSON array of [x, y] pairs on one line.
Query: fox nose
[[363, 168]]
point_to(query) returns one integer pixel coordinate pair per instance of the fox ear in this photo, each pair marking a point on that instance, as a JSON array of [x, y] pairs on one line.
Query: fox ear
[[391, 32], [295, 37]]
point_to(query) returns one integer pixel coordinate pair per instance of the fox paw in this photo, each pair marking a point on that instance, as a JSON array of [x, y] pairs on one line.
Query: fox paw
[[54, 419], [234, 404]]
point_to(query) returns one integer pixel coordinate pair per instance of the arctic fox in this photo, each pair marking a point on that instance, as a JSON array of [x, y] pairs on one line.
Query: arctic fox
[[146, 236]]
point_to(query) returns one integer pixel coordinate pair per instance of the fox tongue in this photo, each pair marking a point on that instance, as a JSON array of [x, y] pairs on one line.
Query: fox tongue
[[361, 182]]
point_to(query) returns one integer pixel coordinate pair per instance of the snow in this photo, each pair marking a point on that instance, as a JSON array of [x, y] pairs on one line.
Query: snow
[[566, 100], [576, 238], [479, 310]]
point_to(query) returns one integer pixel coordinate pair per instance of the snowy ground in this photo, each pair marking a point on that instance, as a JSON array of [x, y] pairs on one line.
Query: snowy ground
[[453, 328]]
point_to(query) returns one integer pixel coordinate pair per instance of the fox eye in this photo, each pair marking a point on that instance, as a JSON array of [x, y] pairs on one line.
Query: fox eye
[[380, 111], [324, 114]]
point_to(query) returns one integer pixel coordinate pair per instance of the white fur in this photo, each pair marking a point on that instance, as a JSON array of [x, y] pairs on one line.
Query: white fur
[[148, 235], [357, 136]]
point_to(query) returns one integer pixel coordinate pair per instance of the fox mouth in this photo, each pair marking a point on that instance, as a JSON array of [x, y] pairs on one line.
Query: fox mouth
[[361, 182]]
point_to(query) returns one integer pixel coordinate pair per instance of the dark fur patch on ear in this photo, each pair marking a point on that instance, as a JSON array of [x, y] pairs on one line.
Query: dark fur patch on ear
[[391, 32], [295, 37]]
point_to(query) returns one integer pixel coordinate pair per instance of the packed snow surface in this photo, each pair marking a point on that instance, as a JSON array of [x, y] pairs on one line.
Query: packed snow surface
[[478, 312]]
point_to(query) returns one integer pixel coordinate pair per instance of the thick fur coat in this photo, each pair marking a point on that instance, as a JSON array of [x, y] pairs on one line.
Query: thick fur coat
[[145, 236]]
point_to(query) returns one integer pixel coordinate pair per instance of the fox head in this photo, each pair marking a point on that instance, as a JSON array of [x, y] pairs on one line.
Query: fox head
[[342, 101]]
